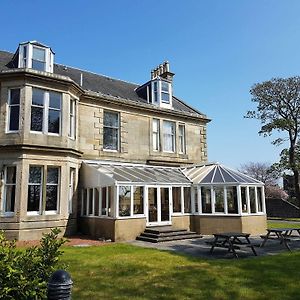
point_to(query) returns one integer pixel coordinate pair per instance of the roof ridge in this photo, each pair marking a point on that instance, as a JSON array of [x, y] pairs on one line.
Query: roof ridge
[[106, 76]]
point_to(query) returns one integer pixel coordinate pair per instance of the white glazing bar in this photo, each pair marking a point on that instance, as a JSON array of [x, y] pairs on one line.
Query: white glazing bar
[[199, 200], [117, 201], [212, 198], [263, 199], [248, 200], [239, 199], [256, 200], [225, 201]]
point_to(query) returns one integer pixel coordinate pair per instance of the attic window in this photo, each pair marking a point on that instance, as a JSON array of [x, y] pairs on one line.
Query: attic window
[[38, 59], [35, 56]]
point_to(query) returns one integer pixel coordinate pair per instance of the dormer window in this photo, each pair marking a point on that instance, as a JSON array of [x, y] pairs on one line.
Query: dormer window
[[38, 59], [35, 56], [158, 90]]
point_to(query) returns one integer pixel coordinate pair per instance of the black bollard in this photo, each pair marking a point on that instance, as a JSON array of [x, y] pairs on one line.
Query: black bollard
[[59, 286]]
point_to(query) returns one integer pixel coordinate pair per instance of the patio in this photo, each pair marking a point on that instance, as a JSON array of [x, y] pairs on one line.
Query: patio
[[200, 248]]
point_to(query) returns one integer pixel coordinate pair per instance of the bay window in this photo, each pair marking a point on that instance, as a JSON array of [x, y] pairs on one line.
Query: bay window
[[111, 128], [168, 136], [45, 111], [13, 109]]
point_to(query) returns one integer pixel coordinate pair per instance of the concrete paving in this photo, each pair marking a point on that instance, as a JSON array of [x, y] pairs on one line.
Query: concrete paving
[[199, 248]]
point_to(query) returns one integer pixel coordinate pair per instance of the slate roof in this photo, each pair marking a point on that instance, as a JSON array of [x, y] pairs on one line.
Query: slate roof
[[104, 85]]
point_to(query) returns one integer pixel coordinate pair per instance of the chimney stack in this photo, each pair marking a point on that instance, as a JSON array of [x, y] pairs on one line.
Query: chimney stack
[[163, 71]]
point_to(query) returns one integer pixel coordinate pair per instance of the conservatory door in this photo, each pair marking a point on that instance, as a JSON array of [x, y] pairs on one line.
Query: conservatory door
[[158, 206]]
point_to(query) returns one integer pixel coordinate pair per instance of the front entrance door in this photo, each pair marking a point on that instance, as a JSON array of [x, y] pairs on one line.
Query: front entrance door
[[159, 206]]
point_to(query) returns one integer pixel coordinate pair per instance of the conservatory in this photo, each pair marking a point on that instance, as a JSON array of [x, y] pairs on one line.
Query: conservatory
[[119, 200]]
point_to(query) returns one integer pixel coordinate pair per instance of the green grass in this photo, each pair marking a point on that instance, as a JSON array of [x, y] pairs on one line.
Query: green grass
[[275, 224], [120, 271]]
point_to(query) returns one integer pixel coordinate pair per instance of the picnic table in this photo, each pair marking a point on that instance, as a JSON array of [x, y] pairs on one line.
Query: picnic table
[[232, 241], [284, 235]]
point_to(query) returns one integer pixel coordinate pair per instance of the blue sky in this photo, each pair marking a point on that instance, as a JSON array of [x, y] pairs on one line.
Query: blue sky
[[217, 50]]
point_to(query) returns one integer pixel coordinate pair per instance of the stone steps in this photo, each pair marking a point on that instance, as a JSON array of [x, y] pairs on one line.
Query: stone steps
[[166, 234]]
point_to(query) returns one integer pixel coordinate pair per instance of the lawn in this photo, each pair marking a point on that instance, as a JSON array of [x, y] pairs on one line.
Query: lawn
[[278, 224], [120, 271]]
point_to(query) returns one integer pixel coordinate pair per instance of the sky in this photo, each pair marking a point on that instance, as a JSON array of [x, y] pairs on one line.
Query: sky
[[217, 49]]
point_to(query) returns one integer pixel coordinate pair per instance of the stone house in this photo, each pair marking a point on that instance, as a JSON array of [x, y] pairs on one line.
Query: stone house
[[89, 153]]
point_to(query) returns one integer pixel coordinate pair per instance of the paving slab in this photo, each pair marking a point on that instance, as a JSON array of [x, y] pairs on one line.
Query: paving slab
[[199, 248]]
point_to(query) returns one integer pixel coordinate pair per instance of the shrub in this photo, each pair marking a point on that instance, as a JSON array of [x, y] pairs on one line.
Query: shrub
[[24, 272]]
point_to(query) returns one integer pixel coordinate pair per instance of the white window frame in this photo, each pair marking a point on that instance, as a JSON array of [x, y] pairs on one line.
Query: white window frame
[[39, 211], [53, 212], [172, 136], [165, 92], [181, 139], [113, 127], [156, 135], [72, 119], [43, 187], [46, 109], [5, 185], [26, 62]]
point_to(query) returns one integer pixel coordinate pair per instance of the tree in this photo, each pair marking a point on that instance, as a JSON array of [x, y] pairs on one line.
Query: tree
[[278, 109], [268, 175], [260, 171]]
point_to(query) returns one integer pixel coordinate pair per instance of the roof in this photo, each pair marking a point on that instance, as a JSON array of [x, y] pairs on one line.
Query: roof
[[102, 174], [215, 173], [102, 84]]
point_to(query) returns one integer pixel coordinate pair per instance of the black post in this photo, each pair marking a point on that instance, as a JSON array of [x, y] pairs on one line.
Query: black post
[[59, 286]]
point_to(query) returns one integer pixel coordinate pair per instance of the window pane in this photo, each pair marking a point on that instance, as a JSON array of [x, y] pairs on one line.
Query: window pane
[[11, 175], [196, 199], [232, 206], [110, 139], [219, 199], [37, 97], [35, 175], [187, 199], [138, 200], [55, 99], [51, 197], [111, 119], [34, 192], [164, 86], [84, 202], [96, 202], [165, 97], [36, 119], [155, 134], [176, 192], [259, 199], [124, 201], [244, 199], [206, 200], [52, 175], [10, 195], [91, 200], [14, 118], [110, 195], [103, 200], [38, 65], [14, 96], [252, 199], [53, 121], [38, 54], [165, 208], [169, 132], [152, 202]]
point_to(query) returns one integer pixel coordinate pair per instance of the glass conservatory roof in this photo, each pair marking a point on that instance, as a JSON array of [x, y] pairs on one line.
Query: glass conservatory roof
[[134, 174], [217, 174]]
